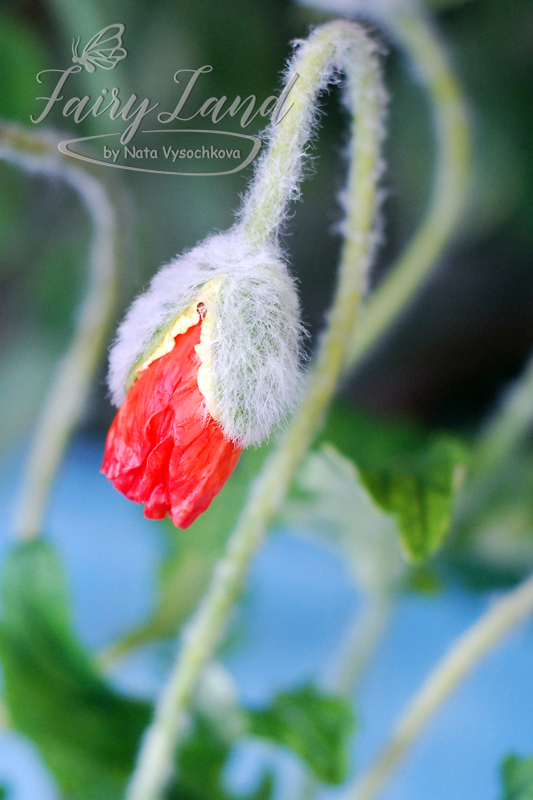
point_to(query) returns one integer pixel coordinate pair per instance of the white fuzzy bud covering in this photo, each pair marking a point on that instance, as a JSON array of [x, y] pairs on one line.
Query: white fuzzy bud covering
[[253, 349]]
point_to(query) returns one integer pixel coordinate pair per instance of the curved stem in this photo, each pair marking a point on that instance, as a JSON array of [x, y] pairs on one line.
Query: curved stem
[[279, 171], [508, 426], [360, 643], [503, 436], [461, 658], [450, 119], [260, 217], [66, 397]]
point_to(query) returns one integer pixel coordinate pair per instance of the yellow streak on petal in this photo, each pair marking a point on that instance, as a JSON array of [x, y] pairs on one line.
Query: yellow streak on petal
[[204, 371], [190, 317], [203, 349]]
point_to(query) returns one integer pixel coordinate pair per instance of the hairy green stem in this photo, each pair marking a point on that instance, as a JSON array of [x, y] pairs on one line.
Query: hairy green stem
[[66, 398], [450, 119], [464, 654], [263, 211]]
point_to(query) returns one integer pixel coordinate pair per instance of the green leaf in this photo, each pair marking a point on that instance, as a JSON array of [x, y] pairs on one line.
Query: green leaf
[[517, 777], [338, 511], [314, 725], [202, 762], [203, 758], [411, 473], [419, 491], [87, 734]]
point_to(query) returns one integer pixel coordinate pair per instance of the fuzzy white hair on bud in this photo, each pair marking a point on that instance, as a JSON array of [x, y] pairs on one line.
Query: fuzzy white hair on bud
[[253, 347]]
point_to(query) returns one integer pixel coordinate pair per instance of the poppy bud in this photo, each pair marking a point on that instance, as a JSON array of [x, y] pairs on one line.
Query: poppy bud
[[206, 362]]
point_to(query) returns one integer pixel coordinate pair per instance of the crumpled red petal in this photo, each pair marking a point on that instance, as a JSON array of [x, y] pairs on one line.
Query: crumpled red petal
[[163, 449]]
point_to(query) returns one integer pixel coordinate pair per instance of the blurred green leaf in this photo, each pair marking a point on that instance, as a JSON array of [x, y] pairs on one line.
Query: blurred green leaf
[[517, 777], [339, 511], [87, 734], [203, 758], [424, 579], [202, 761], [411, 473], [314, 725], [419, 490]]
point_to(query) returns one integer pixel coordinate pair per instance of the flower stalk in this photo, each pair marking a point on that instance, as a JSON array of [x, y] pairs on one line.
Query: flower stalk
[[462, 657], [422, 45], [66, 397], [334, 46]]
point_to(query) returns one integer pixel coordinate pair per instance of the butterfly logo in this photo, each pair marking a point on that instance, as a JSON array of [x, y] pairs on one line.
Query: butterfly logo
[[103, 50]]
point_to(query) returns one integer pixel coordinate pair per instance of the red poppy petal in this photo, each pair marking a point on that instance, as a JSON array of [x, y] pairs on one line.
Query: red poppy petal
[[194, 482], [132, 435], [153, 487], [163, 449]]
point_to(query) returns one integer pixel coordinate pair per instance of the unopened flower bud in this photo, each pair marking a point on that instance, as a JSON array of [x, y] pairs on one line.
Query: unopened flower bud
[[206, 362]]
